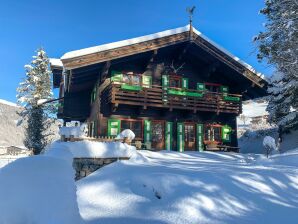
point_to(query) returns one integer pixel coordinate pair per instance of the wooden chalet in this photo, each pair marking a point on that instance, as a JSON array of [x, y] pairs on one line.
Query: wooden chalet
[[176, 90]]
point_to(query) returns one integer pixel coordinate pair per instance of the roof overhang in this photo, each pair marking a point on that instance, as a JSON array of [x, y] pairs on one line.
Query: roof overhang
[[111, 51]]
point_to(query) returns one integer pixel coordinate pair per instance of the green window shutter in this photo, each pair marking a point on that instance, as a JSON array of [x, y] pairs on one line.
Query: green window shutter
[[169, 135], [185, 83], [165, 81], [180, 137], [201, 86], [116, 77], [226, 133], [113, 127], [147, 131], [165, 85], [224, 90], [147, 81], [200, 133]]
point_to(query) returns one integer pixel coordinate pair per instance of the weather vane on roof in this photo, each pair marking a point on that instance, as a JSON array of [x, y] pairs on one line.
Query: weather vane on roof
[[190, 11]]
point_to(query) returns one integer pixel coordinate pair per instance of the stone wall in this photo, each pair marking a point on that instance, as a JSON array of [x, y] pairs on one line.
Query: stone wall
[[86, 166]]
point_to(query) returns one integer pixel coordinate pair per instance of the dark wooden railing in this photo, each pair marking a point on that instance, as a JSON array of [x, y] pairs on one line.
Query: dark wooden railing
[[157, 96]]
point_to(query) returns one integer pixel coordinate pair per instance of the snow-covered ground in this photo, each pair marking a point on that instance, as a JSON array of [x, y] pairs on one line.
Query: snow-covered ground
[[6, 159], [207, 187], [151, 187]]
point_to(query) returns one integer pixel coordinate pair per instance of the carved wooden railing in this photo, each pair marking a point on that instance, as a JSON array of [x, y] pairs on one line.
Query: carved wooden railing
[[173, 98]]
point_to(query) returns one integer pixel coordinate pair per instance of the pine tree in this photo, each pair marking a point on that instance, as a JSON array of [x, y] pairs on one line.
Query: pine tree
[[34, 89], [278, 44]]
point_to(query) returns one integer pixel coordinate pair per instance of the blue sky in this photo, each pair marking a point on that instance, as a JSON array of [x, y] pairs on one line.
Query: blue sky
[[63, 25]]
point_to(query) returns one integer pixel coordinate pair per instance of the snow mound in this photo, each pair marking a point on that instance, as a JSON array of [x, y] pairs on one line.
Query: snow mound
[[92, 149], [127, 133], [38, 189]]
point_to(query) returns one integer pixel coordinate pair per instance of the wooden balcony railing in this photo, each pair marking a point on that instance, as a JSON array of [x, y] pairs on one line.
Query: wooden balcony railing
[[172, 98]]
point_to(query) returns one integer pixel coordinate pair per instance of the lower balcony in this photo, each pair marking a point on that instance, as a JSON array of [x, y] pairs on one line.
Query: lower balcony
[[172, 98]]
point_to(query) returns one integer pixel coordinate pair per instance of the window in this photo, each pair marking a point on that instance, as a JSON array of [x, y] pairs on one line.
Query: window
[[134, 125], [132, 79], [212, 133], [175, 81]]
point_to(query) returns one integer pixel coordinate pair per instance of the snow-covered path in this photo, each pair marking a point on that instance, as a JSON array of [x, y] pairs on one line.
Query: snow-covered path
[[192, 188]]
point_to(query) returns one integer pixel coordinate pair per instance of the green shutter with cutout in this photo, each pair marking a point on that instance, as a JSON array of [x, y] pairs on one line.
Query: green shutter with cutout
[[180, 137], [116, 77], [146, 81], [185, 83], [224, 90], [113, 127], [169, 136], [201, 86], [226, 133], [200, 137], [147, 131], [165, 85]]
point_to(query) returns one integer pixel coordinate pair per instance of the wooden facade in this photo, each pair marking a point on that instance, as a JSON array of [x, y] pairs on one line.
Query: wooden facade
[[176, 92]]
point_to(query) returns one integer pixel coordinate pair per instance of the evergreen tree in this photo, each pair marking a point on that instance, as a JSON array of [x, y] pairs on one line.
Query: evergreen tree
[[278, 44], [36, 88]]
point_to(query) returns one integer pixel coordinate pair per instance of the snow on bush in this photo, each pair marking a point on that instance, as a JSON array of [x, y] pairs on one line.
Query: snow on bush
[[269, 145], [127, 133], [93, 149], [39, 190]]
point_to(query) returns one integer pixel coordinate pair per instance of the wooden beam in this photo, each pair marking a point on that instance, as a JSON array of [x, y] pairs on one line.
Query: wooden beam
[[105, 70], [98, 57]]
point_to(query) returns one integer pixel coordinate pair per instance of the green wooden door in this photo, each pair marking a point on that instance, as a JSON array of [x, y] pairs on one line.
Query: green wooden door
[[147, 131]]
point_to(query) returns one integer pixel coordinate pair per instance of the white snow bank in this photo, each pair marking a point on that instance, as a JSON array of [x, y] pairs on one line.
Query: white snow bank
[[190, 188], [38, 189], [289, 158], [93, 149]]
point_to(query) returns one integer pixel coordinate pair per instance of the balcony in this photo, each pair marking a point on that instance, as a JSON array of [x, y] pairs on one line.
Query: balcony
[[172, 98]]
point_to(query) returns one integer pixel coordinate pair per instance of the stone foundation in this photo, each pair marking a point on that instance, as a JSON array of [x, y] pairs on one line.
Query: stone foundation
[[86, 166]]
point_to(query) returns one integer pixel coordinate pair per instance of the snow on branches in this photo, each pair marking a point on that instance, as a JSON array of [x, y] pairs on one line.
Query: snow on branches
[[35, 88], [278, 44]]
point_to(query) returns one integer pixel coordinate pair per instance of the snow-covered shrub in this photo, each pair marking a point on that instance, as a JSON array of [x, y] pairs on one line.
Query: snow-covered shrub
[[127, 133], [269, 145]]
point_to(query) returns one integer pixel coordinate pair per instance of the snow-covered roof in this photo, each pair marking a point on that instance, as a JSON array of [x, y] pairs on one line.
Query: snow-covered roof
[[118, 44], [109, 46], [56, 62]]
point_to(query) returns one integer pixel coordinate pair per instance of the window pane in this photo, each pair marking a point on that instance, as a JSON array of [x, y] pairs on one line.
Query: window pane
[[136, 80]]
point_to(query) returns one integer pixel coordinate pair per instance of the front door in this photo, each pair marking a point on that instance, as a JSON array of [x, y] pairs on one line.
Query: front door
[[190, 136], [158, 137]]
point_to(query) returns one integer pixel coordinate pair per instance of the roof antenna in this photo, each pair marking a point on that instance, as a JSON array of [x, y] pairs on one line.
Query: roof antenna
[[190, 11]]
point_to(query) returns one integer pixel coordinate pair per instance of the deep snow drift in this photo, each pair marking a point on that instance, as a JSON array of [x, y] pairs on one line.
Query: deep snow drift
[[38, 189], [195, 187]]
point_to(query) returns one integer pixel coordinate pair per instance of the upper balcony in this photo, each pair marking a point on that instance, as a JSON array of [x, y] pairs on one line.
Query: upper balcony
[[172, 98]]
